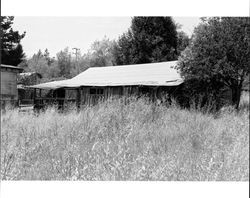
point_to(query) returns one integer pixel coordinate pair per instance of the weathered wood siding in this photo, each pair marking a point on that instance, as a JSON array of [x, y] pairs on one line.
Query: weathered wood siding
[[82, 96], [90, 97], [8, 85]]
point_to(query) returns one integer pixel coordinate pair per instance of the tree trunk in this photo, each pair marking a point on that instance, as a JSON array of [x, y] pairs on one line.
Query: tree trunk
[[236, 93]]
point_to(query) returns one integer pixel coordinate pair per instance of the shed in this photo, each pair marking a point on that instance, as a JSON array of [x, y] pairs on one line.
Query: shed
[[9, 92], [156, 80]]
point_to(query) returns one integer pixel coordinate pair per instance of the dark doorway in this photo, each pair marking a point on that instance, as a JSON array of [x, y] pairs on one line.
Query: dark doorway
[[59, 94]]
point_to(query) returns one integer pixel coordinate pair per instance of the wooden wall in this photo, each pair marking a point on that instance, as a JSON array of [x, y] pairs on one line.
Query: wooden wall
[[8, 85], [92, 95], [87, 96]]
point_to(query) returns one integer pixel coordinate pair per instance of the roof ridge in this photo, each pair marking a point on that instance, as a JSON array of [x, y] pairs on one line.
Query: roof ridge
[[135, 65]]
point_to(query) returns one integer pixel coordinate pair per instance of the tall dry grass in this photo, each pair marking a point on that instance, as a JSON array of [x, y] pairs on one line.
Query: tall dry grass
[[136, 141]]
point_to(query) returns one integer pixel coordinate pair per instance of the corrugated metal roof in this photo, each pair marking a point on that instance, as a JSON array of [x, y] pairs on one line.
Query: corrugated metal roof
[[152, 74], [50, 85]]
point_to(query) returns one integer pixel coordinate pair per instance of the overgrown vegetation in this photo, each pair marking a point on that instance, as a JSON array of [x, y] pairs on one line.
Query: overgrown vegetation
[[136, 141], [218, 56]]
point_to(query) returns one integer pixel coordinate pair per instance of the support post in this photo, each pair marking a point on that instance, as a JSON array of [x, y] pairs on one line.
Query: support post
[[35, 105], [78, 98], [34, 95], [153, 94]]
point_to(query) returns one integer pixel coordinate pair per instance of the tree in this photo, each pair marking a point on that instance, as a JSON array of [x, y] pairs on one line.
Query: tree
[[149, 39], [101, 53], [123, 49], [80, 66], [39, 64], [64, 63], [11, 49], [182, 41], [219, 53], [42, 64], [47, 57]]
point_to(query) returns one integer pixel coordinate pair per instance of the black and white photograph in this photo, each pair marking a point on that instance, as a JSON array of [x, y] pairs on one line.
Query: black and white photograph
[[156, 98]]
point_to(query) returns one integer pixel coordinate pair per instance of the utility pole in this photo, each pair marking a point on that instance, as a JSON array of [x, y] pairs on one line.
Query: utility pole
[[76, 54]]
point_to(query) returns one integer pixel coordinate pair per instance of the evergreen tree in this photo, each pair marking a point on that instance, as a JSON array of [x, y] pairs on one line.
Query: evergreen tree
[[123, 49], [11, 49], [64, 63], [149, 39]]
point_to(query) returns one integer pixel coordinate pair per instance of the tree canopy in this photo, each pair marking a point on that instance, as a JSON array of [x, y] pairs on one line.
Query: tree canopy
[[66, 65], [182, 41], [149, 39], [218, 52], [64, 62], [11, 49], [101, 53]]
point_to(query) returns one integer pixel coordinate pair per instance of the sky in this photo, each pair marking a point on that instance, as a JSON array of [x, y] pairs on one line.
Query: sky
[[57, 33]]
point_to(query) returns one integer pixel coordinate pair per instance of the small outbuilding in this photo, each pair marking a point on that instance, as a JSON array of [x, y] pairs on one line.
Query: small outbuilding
[[9, 93]]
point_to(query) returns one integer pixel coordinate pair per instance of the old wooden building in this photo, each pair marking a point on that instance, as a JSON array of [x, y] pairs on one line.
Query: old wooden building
[[9, 93], [155, 80]]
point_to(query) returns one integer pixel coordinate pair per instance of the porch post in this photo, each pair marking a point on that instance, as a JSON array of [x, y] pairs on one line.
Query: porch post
[[154, 94], [78, 98], [34, 95]]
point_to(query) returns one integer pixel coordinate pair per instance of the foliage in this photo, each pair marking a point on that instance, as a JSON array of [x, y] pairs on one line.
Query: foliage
[[65, 66], [123, 49], [38, 63], [79, 65], [42, 64], [101, 53], [47, 57], [218, 53], [149, 39], [137, 141], [64, 62], [182, 41], [11, 49]]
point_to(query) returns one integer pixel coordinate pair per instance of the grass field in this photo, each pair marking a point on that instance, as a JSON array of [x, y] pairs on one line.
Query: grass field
[[137, 141]]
